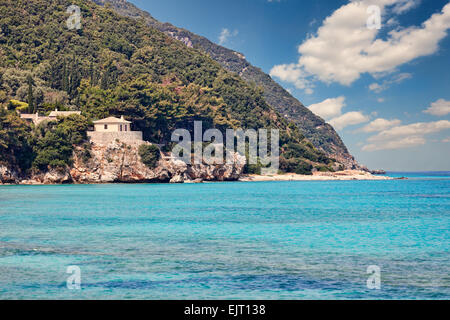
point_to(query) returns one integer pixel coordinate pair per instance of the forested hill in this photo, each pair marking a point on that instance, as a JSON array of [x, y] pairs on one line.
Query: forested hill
[[321, 134], [117, 66]]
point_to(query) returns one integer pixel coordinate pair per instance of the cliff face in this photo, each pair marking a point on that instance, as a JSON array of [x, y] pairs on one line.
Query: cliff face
[[120, 163], [321, 134], [8, 175]]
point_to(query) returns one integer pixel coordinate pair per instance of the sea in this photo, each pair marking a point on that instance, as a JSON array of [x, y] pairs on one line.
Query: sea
[[228, 240]]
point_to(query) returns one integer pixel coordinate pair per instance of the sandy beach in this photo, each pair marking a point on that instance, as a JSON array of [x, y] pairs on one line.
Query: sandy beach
[[317, 176]]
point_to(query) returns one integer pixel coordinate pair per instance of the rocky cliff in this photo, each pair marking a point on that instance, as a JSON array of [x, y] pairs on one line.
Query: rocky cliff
[[117, 162]]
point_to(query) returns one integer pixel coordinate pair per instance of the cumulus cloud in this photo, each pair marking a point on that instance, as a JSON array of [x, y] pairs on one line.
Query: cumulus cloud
[[440, 107], [328, 108], [292, 73], [404, 136], [226, 34], [348, 119], [332, 109], [380, 124], [344, 48]]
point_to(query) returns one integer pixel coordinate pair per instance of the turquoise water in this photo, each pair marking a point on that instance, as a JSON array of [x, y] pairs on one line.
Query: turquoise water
[[261, 240]]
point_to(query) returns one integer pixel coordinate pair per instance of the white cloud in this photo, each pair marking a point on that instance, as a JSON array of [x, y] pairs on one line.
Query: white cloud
[[332, 109], [440, 107], [348, 119], [392, 22], [446, 140], [405, 136], [291, 73], [405, 5], [419, 128], [226, 34], [380, 124], [375, 87], [313, 22], [380, 100], [388, 82], [395, 144], [328, 108], [344, 48]]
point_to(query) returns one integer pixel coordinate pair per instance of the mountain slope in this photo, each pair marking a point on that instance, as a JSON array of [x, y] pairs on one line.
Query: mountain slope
[[320, 133], [118, 66]]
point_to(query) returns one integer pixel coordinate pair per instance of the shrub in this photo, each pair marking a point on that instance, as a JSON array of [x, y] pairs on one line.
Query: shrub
[[324, 169], [295, 165], [20, 106], [303, 168], [252, 169], [86, 153], [54, 148], [150, 155], [16, 141]]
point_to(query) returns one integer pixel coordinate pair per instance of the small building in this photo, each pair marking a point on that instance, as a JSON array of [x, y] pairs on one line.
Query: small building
[[34, 117], [111, 129], [53, 116], [112, 124]]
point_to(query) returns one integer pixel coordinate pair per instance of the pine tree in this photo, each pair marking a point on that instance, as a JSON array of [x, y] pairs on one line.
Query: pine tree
[[105, 80], [65, 77], [30, 98], [91, 72], [75, 78], [77, 101]]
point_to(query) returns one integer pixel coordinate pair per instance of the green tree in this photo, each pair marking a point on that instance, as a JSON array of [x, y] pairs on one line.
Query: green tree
[[30, 99], [104, 84], [92, 73], [56, 141], [16, 141], [65, 77], [150, 155]]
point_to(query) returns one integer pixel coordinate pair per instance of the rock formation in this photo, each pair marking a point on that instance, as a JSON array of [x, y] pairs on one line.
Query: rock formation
[[118, 162]]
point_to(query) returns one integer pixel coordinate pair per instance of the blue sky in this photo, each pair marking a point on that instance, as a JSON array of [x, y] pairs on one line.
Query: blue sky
[[386, 91]]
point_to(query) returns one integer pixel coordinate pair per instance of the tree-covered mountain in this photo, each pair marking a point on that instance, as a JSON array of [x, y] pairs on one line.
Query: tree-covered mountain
[[114, 65], [320, 133]]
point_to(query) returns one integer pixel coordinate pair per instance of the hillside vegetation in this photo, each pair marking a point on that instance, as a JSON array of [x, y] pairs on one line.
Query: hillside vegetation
[[320, 133], [117, 66]]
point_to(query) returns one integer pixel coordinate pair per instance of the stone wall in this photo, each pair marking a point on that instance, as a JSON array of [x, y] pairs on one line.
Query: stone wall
[[105, 138]]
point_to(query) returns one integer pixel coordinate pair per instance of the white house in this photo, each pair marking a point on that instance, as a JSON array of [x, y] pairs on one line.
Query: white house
[[111, 129], [112, 124]]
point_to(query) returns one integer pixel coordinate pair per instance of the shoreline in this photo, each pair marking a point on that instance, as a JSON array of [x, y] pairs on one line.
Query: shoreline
[[347, 175]]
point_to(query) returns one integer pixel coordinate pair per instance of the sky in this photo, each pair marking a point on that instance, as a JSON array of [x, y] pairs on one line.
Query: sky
[[377, 70]]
